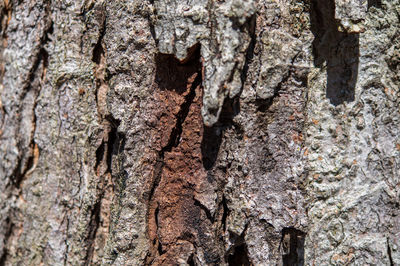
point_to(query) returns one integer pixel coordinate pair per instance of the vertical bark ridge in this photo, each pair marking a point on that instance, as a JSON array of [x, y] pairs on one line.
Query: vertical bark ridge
[[28, 150]]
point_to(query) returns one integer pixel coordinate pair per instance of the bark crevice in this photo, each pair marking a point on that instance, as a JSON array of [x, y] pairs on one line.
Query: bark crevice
[[111, 145], [389, 252], [339, 50], [292, 246], [238, 254]]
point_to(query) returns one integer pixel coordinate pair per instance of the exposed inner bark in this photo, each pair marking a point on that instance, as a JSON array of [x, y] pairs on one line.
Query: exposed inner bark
[[176, 219]]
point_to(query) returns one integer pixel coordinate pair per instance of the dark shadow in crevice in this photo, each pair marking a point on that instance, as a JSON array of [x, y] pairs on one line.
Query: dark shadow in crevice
[[9, 226], [292, 247], [92, 231], [225, 212], [389, 252], [374, 3], [212, 136], [207, 212], [173, 74], [238, 254], [339, 50], [190, 260], [251, 29], [115, 155]]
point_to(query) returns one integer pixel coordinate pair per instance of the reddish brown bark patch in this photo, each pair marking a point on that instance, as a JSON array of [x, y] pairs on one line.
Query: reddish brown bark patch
[[177, 222]]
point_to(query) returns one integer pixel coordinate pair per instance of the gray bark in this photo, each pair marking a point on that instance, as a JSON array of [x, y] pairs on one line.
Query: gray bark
[[237, 132]]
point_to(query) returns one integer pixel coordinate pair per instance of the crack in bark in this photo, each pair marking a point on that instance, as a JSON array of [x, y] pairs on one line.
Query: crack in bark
[[225, 212], [93, 228], [66, 240], [292, 246], [374, 3], [104, 153], [180, 117], [389, 251], [176, 132], [239, 255], [7, 236], [251, 25]]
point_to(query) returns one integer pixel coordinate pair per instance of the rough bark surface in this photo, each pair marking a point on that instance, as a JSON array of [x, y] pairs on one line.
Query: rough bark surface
[[201, 132]]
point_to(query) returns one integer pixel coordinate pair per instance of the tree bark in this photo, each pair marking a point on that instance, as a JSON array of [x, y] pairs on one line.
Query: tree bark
[[237, 132]]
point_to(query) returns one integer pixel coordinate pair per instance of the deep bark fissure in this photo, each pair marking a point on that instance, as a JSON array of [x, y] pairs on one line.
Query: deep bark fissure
[[111, 144], [238, 254], [98, 57], [340, 51], [173, 141], [389, 251], [7, 236], [251, 26], [375, 3], [93, 228], [292, 246], [174, 138], [114, 137], [100, 155], [225, 213], [239, 257], [98, 51], [176, 133], [104, 155], [190, 260]]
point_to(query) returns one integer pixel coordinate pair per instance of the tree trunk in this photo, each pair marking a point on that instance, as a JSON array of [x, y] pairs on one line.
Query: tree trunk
[[237, 132]]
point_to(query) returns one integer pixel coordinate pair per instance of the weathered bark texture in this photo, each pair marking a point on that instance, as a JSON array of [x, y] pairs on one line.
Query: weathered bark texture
[[200, 132]]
